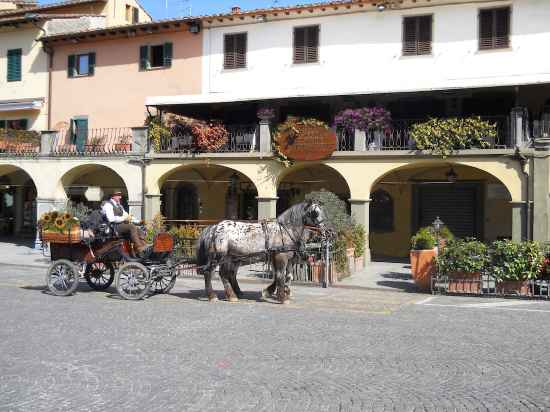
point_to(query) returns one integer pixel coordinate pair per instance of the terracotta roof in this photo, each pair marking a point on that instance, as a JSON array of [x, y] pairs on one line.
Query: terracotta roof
[[36, 17], [48, 7]]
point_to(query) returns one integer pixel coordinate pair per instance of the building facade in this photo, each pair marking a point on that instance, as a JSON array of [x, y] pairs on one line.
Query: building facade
[[411, 58]]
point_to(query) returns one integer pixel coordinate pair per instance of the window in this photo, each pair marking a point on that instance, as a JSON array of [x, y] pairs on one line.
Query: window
[[306, 44], [155, 57], [381, 212], [494, 28], [234, 51], [81, 65], [417, 35], [79, 132], [132, 14], [17, 124], [14, 65], [128, 13]]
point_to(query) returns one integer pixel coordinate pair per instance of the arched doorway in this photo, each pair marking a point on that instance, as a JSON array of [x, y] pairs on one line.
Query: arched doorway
[[470, 202], [91, 184], [207, 193], [298, 182], [17, 203]]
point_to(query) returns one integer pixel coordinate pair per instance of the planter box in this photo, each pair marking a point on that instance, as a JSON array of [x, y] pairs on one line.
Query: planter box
[[423, 267], [72, 236], [514, 287], [464, 282], [123, 147]]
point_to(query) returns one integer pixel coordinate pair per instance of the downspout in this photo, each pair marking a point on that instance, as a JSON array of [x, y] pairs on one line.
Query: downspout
[[523, 160], [49, 51]]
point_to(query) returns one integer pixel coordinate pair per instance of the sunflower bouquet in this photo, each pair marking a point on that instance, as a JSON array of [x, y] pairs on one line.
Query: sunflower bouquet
[[60, 222]]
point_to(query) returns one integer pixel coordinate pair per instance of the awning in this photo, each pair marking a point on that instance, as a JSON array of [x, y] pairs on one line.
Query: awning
[[21, 104]]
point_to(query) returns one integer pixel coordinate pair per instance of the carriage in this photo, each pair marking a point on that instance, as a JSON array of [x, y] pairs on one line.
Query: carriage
[[101, 258]]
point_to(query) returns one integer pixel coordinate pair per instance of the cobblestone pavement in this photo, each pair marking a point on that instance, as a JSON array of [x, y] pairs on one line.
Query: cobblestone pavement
[[330, 350]]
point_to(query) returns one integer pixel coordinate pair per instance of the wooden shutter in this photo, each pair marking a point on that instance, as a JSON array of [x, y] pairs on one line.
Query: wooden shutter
[[24, 124], [417, 35], [306, 44], [494, 28], [144, 58], [2, 124], [71, 66], [14, 65], [168, 51], [235, 48], [91, 64], [135, 15], [240, 50]]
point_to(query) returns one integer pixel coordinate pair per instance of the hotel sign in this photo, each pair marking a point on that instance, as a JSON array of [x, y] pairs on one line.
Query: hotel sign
[[310, 143]]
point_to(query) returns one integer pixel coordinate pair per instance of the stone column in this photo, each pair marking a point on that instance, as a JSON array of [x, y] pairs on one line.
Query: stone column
[[518, 123], [44, 206], [360, 141], [135, 208], [152, 205], [47, 141], [265, 137], [360, 213], [541, 190], [18, 206], [519, 229], [140, 137], [267, 207]]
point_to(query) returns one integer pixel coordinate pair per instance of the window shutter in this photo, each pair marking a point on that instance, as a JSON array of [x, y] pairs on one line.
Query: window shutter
[[494, 28], [168, 54], [229, 52], [312, 44], [14, 65], [425, 35], [144, 63], [240, 50], [24, 124], [417, 35], [502, 28], [299, 45], [91, 64], [135, 15], [71, 67], [2, 124]]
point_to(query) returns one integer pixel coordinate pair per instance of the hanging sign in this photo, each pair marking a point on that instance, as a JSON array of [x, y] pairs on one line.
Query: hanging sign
[[307, 142]]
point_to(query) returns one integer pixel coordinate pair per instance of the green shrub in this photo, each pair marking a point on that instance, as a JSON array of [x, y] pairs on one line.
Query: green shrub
[[462, 255], [424, 239], [335, 210], [358, 239], [443, 136], [515, 261]]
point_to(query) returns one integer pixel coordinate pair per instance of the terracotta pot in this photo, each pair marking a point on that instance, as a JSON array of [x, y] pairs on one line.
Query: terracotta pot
[[464, 282], [514, 287], [316, 272], [123, 147], [422, 267]]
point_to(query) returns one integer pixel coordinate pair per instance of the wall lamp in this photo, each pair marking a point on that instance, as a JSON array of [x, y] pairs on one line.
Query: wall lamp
[[381, 6]]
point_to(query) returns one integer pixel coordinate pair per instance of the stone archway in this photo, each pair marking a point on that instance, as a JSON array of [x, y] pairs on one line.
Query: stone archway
[[207, 193], [470, 201], [18, 211]]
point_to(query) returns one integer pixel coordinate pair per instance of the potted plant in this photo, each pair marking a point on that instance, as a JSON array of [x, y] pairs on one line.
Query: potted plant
[[514, 265], [94, 145], [462, 262], [265, 114], [422, 257], [123, 144]]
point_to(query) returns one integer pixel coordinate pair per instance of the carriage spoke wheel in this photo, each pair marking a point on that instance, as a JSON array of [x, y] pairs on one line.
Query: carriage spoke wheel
[[132, 281], [163, 284], [62, 277], [100, 275]]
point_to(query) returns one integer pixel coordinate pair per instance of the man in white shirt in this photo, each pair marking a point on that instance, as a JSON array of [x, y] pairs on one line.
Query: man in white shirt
[[114, 212]]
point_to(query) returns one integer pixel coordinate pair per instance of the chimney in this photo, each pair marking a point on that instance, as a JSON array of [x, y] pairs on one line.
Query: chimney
[[235, 10]]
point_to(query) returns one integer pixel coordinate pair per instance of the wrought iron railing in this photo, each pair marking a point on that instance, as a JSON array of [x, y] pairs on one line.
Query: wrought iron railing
[[92, 142], [19, 143], [241, 139]]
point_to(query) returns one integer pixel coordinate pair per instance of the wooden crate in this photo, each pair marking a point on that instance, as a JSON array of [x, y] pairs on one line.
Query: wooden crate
[[72, 236]]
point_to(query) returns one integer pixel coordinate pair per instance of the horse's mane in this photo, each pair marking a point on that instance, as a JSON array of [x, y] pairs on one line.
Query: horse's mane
[[293, 215]]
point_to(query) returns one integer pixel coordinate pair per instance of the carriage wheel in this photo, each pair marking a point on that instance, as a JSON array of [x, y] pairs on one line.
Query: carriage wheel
[[100, 275], [132, 281], [62, 277], [163, 284]]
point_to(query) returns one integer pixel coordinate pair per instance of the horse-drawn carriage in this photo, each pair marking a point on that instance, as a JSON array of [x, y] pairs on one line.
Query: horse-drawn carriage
[[100, 257]]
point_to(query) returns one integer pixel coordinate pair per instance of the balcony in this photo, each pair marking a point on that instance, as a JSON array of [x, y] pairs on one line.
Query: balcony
[[91, 143], [19, 143]]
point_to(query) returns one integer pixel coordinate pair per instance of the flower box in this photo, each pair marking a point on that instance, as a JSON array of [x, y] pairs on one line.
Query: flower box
[[69, 236], [123, 147], [464, 282], [514, 287]]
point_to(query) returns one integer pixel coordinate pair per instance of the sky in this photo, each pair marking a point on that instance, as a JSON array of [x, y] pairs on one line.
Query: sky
[[176, 8]]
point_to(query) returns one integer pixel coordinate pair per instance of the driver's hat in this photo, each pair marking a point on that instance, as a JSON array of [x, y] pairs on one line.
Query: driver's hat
[[116, 193]]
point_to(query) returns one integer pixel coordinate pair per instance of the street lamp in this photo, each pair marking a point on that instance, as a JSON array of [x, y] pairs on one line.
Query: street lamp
[[437, 225]]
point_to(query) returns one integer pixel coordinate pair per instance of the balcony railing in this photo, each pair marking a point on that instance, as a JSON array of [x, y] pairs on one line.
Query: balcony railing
[[241, 139], [19, 143], [398, 136], [92, 142]]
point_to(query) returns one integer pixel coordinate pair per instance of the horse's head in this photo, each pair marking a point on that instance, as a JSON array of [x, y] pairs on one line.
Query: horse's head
[[314, 215]]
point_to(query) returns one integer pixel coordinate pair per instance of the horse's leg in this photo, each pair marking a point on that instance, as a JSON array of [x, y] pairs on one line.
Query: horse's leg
[[225, 275], [212, 297], [270, 290], [279, 266], [233, 279]]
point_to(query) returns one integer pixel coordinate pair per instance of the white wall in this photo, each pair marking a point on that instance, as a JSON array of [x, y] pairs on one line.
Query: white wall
[[361, 53], [34, 75]]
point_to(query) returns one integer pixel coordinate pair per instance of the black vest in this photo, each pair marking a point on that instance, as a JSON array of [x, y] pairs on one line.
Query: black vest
[[117, 209]]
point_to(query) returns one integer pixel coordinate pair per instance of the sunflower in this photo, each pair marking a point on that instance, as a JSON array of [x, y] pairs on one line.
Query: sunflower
[[60, 223], [54, 214], [67, 216], [46, 218]]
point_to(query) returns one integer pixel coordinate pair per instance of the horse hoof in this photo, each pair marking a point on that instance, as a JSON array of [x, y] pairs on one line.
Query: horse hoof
[[233, 300], [265, 294], [285, 302], [212, 298]]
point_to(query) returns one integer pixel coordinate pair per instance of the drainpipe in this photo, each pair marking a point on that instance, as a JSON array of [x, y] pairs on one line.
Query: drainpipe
[[523, 160], [49, 51]]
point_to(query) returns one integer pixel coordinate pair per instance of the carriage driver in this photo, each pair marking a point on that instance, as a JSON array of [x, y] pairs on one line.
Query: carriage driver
[[115, 214]]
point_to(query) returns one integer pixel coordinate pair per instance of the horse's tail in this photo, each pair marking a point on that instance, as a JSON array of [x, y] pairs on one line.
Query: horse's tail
[[203, 249]]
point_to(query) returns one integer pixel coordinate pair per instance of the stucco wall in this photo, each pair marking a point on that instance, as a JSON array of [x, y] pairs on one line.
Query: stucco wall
[[115, 95], [361, 53]]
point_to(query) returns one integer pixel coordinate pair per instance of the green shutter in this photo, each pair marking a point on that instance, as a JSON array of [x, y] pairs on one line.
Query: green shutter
[[14, 65], [91, 64], [168, 54], [71, 68], [79, 133], [2, 124], [144, 58], [24, 124]]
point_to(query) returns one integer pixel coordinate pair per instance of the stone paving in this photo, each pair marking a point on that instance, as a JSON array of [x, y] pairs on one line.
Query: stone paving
[[329, 350]]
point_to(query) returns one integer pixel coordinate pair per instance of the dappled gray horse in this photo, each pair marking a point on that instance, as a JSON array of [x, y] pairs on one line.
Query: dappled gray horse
[[229, 242]]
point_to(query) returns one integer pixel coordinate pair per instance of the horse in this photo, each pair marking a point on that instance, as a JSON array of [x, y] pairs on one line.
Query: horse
[[228, 242]]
